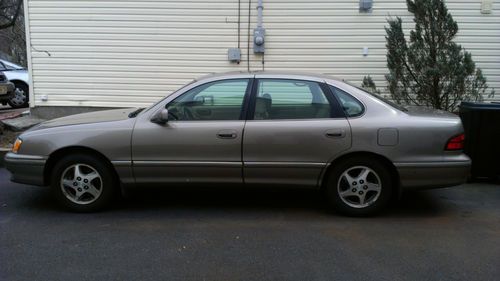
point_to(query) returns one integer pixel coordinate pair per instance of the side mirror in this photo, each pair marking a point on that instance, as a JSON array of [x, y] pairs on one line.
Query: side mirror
[[161, 117]]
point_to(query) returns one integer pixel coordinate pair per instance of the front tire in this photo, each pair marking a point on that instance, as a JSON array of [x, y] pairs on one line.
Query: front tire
[[83, 183], [21, 96], [359, 186]]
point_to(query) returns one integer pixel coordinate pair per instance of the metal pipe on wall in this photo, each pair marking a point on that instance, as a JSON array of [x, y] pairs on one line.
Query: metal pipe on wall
[[248, 34], [261, 31], [260, 7]]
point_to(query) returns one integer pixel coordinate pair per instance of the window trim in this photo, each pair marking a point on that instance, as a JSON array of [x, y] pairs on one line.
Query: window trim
[[336, 110], [243, 109]]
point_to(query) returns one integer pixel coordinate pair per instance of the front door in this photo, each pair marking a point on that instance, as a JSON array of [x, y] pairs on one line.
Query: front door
[[200, 143], [297, 127]]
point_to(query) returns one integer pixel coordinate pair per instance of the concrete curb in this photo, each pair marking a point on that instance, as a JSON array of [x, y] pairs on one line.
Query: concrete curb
[[3, 151]]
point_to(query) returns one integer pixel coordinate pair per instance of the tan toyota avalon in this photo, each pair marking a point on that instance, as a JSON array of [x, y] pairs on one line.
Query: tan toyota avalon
[[248, 129]]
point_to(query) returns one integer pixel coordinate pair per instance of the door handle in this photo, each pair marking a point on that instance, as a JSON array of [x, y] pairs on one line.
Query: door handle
[[335, 133], [227, 134]]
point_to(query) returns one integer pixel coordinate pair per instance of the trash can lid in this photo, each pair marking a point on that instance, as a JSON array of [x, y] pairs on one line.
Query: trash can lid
[[480, 105]]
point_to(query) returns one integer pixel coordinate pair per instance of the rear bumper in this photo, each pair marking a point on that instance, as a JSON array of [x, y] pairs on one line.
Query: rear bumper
[[10, 90], [425, 175], [27, 169]]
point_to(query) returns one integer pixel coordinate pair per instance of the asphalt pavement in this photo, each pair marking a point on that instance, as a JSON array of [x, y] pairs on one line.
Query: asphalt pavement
[[446, 234]]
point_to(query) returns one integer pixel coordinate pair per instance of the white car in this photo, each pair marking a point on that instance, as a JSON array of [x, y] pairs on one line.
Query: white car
[[20, 77]]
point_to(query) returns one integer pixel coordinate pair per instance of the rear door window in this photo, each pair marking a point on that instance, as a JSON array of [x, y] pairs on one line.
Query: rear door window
[[290, 99]]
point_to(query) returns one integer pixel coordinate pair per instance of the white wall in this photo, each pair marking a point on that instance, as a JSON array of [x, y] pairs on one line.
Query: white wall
[[131, 53]]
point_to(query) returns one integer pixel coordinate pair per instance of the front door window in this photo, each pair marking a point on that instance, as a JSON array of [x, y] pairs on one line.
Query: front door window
[[219, 100]]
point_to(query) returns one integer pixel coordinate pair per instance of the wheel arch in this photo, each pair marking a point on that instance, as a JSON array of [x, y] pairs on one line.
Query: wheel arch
[[388, 163], [58, 154], [15, 80]]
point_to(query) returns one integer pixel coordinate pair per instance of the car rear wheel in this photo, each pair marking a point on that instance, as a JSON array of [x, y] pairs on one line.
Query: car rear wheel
[[83, 183], [359, 186], [21, 96]]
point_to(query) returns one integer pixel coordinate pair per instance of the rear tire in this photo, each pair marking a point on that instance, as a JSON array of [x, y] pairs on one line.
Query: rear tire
[[359, 186], [83, 183]]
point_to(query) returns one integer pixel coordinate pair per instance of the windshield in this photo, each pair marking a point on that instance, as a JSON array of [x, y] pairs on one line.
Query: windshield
[[377, 96], [5, 65], [154, 104]]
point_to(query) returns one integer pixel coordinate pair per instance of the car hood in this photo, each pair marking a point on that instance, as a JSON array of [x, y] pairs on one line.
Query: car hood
[[86, 118], [423, 111]]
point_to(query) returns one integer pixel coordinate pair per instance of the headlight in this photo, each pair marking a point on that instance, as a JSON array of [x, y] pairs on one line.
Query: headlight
[[17, 145]]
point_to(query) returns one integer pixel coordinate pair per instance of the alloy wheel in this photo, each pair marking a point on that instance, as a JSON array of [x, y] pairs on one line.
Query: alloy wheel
[[359, 186], [81, 184]]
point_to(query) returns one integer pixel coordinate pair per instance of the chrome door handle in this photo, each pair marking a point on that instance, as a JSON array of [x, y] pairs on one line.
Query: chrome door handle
[[227, 134], [335, 133]]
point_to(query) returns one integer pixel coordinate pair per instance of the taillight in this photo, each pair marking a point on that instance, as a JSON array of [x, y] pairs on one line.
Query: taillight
[[456, 143]]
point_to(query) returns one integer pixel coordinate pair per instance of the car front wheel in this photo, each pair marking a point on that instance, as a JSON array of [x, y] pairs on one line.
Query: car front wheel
[[359, 186], [21, 96], [83, 183]]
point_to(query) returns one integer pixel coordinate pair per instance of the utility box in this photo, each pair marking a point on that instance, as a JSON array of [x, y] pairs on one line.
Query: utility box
[[365, 6], [481, 123], [486, 6], [234, 55]]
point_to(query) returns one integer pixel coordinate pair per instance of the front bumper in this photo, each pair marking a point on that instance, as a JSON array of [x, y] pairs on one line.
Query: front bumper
[[426, 175], [27, 169]]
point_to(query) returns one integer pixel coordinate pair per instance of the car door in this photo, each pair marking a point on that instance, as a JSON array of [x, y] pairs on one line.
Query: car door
[[200, 143], [295, 128]]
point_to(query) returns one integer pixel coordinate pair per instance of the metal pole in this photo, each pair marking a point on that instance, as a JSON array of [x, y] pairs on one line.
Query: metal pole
[[260, 7]]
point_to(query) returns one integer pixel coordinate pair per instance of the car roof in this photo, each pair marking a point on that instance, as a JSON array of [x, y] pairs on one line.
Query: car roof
[[267, 74]]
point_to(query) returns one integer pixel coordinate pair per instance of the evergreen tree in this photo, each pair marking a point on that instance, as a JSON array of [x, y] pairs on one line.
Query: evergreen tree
[[370, 85], [431, 69]]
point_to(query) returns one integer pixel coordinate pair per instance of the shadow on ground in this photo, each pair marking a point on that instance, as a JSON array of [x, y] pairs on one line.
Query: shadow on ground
[[289, 201]]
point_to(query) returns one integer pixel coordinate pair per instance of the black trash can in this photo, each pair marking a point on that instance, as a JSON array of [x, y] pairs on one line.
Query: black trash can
[[482, 137]]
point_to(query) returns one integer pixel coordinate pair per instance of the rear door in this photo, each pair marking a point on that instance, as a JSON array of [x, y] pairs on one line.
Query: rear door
[[294, 129]]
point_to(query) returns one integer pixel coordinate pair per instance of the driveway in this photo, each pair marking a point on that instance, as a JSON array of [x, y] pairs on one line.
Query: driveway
[[447, 234], [8, 112]]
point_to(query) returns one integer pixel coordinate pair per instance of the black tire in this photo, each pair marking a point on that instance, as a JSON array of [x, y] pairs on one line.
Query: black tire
[[345, 204], [24, 89], [107, 181]]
